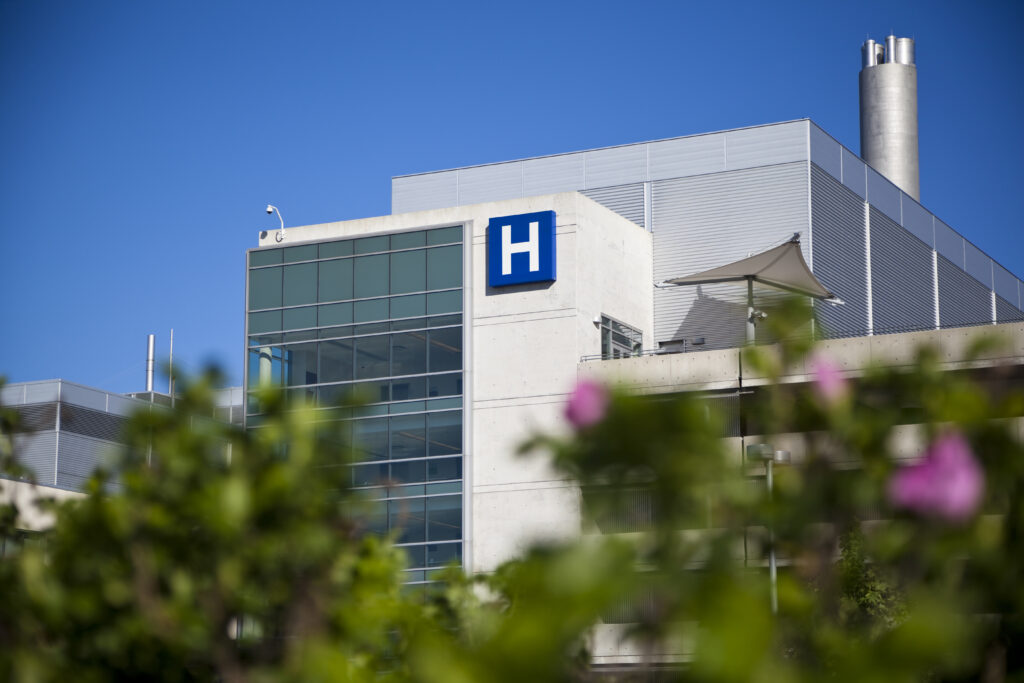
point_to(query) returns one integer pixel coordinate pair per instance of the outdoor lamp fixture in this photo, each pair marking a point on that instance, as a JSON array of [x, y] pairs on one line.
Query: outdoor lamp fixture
[[764, 452], [280, 233]]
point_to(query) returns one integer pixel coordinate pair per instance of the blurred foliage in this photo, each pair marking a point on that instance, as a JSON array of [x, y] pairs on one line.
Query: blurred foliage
[[225, 554]]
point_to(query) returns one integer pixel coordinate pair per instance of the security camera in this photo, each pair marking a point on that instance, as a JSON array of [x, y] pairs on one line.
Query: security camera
[[270, 209]]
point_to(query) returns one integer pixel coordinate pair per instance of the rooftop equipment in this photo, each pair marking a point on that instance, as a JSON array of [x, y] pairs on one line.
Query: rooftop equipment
[[888, 112]]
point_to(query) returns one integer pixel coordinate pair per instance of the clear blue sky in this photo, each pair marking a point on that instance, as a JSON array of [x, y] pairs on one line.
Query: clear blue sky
[[140, 141]]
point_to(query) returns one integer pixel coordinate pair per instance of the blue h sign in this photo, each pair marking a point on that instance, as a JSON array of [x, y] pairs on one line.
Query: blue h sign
[[521, 249]]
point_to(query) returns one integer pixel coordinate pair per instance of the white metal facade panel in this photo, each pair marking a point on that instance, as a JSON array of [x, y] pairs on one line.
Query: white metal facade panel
[[616, 166], [1007, 312], [41, 392], [854, 174], [625, 200], [949, 243], [427, 191], [917, 220], [546, 175], [977, 264], [82, 396], [883, 195], [78, 456], [710, 220], [490, 183], [962, 299], [902, 289], [826, 152], [766, 145], [837, 222], [681, 157]]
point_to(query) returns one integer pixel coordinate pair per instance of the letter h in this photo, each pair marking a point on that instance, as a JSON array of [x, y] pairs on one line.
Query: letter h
[[531, 246]]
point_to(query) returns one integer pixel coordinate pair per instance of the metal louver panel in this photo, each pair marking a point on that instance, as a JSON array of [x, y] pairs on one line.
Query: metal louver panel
[[86, 422], [766, 145], [36, 418], [37, 452], [616, 166], [883, 195], [1007, 312], [426, 191], [547, 175], [625, 200], [962, 299], [826, 152], [837, 223], [79, 456], [707, 221], [902, 291]]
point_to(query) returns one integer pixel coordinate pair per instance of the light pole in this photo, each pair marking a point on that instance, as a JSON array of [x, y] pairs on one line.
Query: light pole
[[770, 456]]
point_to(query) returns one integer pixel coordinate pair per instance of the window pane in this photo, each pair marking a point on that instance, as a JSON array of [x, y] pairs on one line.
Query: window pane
[[444, 518], [408, 437], [408, 240], [416, 557], [408, 272], [300, 364], [267, 257], [408, 306], [299, 284], [445, 349], [376, 517], [371, 276], [298, 318], [369, 475], [333, 394], [306, 252], [264, 288], [407, 515], [373, 392], [440, 554], [445, 385], [267, 321], [264, 366], [336, 360], [409, 353], [370, 437], [375, 309], [331, 249], [444, 302], [411, 471], [368, 245], [444, 433], [445, 235], [371, 356], [408, 389], [444, 267], [335, 280], [440, 469], [335, 314]]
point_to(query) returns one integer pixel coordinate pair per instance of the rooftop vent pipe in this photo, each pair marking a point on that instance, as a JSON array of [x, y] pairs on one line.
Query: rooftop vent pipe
[[150, 360], [888, 111]]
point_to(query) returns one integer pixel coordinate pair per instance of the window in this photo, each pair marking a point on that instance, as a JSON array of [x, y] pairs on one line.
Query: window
[[619, 340]]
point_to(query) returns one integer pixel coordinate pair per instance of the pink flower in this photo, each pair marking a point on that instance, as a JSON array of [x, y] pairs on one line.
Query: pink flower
[[587, 404], [829, 382], [947, 483]]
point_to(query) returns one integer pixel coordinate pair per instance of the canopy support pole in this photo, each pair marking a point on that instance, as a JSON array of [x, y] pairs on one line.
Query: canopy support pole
[[750, 311]]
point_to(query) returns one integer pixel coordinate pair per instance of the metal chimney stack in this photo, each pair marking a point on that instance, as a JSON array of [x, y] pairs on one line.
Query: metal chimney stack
[[150, 361], [888, 112]]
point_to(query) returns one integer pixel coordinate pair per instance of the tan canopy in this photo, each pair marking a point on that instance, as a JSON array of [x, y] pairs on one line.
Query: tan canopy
[[782, 267]]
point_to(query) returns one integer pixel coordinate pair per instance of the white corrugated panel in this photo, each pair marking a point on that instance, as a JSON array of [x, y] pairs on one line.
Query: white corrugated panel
[[766, 145], [686, 156], [854, 174], [902, 290], [917, 219], [707, 221], [826, 152], [490, 183], [548, 175], [616, 166], [949, 243], [37, 452], [625, 200], [427, 191], [837, 223], [978, 264], [962, 299], [883, 195]]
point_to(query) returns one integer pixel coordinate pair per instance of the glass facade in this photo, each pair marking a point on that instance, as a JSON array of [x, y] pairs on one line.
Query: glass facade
[[379, 319], [619, 340]]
